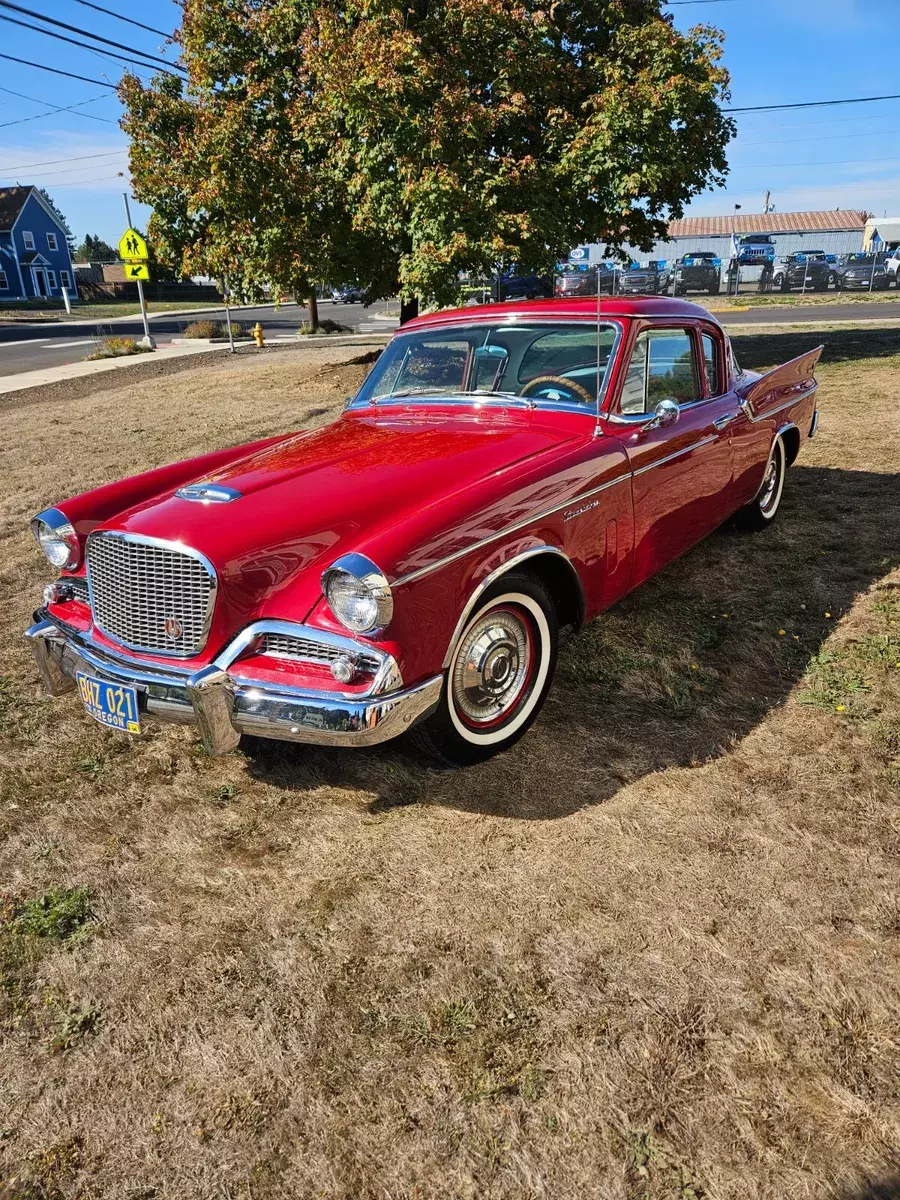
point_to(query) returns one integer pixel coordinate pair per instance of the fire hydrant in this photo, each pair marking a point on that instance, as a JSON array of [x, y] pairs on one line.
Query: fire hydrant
[[258, 336]]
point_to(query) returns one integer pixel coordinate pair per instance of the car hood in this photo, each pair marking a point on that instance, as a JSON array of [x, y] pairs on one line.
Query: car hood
[[352, 485]]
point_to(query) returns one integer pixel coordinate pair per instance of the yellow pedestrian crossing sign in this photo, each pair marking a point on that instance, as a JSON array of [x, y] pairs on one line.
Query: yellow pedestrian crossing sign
[[132, 247], [137, 271]]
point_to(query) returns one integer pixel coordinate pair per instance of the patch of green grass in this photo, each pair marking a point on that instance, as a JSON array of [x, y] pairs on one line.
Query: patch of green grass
[[59, 914], [838, 677], [117, 347]]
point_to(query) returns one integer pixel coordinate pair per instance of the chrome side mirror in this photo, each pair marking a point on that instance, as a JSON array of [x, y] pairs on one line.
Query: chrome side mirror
[[665, 414]]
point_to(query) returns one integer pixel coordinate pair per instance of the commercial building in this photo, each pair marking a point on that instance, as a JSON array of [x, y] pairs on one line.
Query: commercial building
[[836, 231], [882, 233]]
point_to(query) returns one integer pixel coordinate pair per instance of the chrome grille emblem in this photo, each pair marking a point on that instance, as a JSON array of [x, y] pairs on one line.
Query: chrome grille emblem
[[150, 595], [173, 628]]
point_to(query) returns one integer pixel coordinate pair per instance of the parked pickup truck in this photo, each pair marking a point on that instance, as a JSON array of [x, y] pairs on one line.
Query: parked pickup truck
[[647, 279], [808, 270], [700, 272], [892, 267]]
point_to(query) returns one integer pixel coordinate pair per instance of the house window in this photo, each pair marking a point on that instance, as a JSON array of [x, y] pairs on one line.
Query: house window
[[51, 242], [64, 279], [4, 286], [28, 239], [51, 278]]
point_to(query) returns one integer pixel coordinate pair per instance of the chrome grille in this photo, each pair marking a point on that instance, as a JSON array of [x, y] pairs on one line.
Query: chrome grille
[[78, 588], [149, 596], [281, 645]]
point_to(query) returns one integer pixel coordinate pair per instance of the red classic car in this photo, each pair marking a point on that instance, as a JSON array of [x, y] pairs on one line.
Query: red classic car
[[502, 472]]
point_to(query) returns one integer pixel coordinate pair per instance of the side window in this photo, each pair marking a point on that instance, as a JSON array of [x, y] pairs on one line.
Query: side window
[[711, 358], [662, 367], [28, 239], [4, 285], [51, 242]]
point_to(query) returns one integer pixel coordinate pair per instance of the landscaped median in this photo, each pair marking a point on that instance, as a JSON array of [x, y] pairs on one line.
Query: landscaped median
[[652, 951]]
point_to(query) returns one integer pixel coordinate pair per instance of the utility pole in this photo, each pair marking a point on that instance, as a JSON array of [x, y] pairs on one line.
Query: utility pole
[[766, 206], [147, 340]]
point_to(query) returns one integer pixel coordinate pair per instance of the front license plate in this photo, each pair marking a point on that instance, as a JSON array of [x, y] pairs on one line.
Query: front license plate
[[112, 704]]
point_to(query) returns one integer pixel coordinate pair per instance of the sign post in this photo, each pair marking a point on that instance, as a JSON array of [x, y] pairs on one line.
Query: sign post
[[133, 249]]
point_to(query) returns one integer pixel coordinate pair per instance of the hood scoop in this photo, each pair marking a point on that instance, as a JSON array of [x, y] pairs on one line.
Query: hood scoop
[[208, 493]]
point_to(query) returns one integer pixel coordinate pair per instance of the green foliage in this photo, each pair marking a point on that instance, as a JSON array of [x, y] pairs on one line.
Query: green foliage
[[58, 914], [399, 144], [94, 249], [213, 329], [116, 347]]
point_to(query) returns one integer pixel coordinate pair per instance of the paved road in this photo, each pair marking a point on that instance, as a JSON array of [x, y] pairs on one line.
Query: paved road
[[31, 347], [26, 347]]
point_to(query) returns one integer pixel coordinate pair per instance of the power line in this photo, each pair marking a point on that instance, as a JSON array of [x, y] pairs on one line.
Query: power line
[[109, 12], [50, 162], [810, 104], [55, 70], [828, 137], [74, 29], [8, 174], [832, 162], [51, 111], [82, 182], [61, 37]]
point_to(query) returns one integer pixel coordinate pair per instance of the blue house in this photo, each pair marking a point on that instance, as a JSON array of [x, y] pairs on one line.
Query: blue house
[[34, 254]]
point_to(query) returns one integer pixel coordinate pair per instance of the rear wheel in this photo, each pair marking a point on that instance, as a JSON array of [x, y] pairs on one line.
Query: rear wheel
[[715, 288], [500, 672], [762, 510]]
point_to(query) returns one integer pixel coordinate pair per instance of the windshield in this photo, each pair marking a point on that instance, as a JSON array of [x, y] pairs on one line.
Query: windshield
[[531, 363]]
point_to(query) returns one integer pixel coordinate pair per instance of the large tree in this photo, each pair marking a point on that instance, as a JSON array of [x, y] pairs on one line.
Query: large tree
[[397, 143]]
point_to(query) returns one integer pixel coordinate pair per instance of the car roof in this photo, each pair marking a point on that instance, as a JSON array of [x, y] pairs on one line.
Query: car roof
[[576, 307]]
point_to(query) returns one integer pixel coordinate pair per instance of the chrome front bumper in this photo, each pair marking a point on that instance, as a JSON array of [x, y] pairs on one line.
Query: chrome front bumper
[[223, 706]]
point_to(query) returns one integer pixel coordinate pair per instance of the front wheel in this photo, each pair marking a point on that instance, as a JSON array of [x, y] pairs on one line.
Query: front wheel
[[763, 508], [500, 671]]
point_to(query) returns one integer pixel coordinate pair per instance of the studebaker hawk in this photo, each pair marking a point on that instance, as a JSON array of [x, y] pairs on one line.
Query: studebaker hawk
[[502, 472]]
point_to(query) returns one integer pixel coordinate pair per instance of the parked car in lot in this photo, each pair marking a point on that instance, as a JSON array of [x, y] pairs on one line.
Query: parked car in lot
[[647, 279], [892, 267], [698, 272], [511, 285], [755, 249], [863, 272], [808, 270], [585, 283], [348, 295], [501, 473]]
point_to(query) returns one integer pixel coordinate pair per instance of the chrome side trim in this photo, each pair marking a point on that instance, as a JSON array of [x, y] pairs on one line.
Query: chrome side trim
[[814, 424], [162, 544], [510, 529], [495, 575], [752, 415], [678, 454]]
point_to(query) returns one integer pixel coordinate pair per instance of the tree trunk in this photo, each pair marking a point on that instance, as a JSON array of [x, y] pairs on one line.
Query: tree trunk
[[313, 305], [408, 309]]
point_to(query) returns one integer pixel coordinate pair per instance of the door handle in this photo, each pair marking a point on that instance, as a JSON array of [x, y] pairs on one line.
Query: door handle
[[726, 419]]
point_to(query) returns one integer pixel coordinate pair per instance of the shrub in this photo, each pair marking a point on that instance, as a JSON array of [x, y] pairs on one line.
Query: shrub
[[204, 329], [214, 329], [326, 326], [117, 347]]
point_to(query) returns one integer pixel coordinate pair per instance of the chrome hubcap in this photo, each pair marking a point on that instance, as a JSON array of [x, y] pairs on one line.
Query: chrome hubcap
[[492, 666], [770, 486]]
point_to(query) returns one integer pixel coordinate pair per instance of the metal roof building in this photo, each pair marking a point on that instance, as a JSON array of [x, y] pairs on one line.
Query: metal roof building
[[836, 231]]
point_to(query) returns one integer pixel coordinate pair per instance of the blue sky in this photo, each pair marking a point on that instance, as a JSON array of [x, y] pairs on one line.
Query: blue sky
[[778, 51]]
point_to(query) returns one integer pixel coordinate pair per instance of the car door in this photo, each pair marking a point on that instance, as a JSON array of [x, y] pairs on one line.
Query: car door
[[683, 472]]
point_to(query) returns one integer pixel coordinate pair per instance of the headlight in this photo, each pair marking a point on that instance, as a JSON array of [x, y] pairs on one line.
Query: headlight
[[57, 538], [358, 594]]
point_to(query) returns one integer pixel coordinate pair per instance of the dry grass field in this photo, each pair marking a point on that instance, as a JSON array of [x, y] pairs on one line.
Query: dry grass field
[[652, 953]]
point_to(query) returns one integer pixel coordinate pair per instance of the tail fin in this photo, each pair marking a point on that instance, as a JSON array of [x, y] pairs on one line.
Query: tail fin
[[793, 379]]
